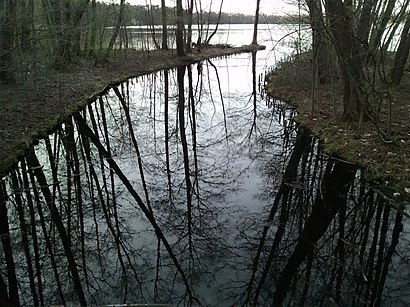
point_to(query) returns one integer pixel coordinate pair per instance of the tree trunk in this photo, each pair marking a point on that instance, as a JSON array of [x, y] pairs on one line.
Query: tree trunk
[[402, 53], [217, 23], [7, 249], [7, 31], [27, 26], [350, 59], [117, 28], [93, 36], [365, 21], [320, 46], [180, 29], [380, 27], [189, 36], [68, 30], [164, 26], [255, 24]]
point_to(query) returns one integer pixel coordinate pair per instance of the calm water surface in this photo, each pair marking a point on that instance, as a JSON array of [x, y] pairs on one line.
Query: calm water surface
[[189, 187]]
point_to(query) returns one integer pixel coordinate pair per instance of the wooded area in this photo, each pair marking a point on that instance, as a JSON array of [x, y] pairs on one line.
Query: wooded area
[[370, 42], [74, 223], [36, 35]]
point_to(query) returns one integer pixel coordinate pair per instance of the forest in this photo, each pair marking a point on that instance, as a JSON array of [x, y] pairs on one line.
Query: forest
[[41, 34], [185, 183]]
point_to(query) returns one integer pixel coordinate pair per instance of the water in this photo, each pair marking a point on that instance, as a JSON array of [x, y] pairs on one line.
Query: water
[[235, 206]]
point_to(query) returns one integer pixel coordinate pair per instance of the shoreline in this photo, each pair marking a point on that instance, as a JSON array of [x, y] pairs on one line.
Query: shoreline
[[29, 111], [386, 165]]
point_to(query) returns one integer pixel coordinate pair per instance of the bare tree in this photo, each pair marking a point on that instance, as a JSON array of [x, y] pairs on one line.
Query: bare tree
[[7, 32], [180, 29], [164, 25], [117, 27], [255, 24], [402, 54]]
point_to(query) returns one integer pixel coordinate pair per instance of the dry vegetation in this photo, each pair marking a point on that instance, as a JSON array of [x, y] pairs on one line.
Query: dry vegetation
[[386, 165]]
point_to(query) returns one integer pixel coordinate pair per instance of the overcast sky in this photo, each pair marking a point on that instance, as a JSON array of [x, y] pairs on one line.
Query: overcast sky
[[276, 7]]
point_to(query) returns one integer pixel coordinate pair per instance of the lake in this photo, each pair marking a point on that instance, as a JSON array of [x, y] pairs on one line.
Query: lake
[[191, 187]]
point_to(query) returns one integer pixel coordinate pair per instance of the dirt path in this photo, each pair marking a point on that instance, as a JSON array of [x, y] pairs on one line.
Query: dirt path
[[28, 111]]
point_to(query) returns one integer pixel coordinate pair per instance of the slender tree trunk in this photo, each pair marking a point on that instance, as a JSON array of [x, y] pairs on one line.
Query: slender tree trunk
[[7, 32], [166, 128], [164, 26], [189, 36], [402, 53], [116, 30], [7, 249], [365, 21], [217, 23], [181, 117], [93, 45], [380, 27], [150, 17], [180, 29], [255, 24], [27, 27], [320, 46]]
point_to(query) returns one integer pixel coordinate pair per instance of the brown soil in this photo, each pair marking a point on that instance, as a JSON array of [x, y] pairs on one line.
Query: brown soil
[[29, 110], [386, 164]]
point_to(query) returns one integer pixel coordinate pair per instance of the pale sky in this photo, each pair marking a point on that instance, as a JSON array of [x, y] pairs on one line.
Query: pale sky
[[268, 7]]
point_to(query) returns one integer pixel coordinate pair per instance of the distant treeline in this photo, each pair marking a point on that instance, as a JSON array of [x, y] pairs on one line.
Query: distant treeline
[[151, 15]]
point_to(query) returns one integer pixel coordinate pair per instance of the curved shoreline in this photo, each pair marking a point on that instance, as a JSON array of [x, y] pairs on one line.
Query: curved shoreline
[[386, 166], [31, 110]]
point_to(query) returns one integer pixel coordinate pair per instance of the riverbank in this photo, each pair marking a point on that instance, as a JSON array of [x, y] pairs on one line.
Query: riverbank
[[386, 164], [28, 111]]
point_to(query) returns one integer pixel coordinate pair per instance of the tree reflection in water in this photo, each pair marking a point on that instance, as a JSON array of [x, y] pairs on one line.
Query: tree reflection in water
[[162, 191]]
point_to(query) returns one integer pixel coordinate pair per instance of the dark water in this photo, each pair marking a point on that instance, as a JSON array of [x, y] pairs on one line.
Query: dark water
[[188, 187]]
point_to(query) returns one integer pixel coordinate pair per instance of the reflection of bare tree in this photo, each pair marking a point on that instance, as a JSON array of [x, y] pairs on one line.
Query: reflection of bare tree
[[192, 103], [313, 257], [218, 223], [254, 87], [34, 165], [283, 196], [24, 236], [34, 239], [12, 297], [334, 187], [166, 129], [135, 143], [220, 95], [148, 214], [181, 117]]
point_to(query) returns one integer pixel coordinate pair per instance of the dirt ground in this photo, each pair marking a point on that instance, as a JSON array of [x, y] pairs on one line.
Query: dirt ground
[[386, 162], [31, 109]]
